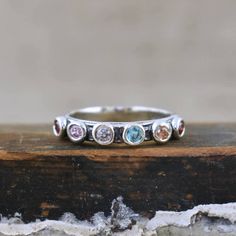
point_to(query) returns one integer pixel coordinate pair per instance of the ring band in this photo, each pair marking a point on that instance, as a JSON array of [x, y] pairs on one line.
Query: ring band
[[130, 125]]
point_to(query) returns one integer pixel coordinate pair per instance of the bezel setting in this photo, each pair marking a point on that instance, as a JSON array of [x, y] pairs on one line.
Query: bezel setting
[[59, 126], [162, 131], [178, 125], [139, 128], [78, 134], [103, 133], [131, 125]]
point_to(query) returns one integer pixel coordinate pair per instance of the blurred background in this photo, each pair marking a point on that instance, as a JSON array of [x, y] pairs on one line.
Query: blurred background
[[59, 55]]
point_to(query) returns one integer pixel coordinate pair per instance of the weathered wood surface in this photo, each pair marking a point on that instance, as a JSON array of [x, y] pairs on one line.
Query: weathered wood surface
[[41, 176]]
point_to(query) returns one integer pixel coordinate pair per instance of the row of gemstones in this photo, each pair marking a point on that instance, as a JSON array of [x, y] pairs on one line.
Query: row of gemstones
[[133, 134]]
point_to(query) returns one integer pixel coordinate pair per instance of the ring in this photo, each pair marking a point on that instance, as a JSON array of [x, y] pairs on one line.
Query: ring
[[130, 125]]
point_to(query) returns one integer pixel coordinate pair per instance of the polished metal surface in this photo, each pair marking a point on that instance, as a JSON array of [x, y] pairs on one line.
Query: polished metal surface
[[130, 125]]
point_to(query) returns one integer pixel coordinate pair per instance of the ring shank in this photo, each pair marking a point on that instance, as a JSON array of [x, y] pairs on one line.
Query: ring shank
[[119, 114]]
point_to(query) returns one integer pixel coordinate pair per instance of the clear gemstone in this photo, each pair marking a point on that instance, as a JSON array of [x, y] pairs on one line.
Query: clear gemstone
[[76, 132], [134, 134], [104, 134]]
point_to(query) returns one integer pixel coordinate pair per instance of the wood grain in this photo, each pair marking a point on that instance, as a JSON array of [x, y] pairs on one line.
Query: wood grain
[[41, 176]]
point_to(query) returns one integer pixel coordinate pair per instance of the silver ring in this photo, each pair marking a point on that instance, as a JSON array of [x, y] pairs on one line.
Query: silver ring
[[130, 125]]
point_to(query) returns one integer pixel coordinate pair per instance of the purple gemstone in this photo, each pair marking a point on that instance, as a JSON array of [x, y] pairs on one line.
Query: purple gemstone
[[76, 131]]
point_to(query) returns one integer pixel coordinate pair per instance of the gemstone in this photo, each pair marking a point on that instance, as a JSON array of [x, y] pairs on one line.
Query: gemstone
[[181, 127], [178, 125], [103, 134], [76, 132], [134, 134], [57, 127], [162, 131]]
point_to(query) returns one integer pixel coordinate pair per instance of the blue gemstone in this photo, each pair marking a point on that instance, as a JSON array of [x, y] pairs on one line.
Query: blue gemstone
[[134, 134]]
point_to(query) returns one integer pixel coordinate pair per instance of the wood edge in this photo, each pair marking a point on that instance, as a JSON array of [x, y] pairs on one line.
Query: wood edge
[[105, 155]]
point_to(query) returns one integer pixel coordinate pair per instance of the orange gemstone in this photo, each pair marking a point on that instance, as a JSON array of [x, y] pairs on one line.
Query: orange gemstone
[[163, 132]]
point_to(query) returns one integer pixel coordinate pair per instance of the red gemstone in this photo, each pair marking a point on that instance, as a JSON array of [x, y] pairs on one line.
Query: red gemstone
[[57, 126], [181, 128]]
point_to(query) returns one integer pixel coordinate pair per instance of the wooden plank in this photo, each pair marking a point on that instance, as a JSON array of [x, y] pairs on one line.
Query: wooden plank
[[41, 176]]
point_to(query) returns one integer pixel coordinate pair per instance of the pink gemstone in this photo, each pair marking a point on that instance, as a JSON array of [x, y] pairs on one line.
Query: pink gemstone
[[76, 131], [57, 126], [181, 127]]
